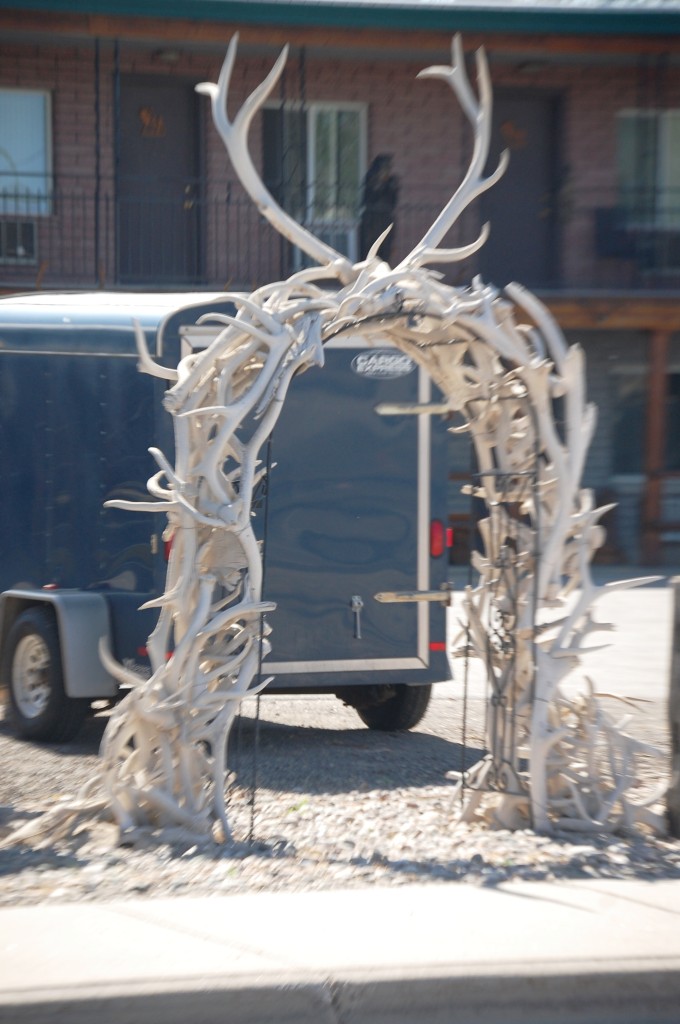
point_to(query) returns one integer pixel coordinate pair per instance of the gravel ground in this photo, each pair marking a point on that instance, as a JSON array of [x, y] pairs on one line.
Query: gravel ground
[[335, 806]]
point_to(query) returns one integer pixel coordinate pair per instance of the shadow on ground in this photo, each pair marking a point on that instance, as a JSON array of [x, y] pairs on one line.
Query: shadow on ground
[[329, 756], [317, 760], [86, 742]]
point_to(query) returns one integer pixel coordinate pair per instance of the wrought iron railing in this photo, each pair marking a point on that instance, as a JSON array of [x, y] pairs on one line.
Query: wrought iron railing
[[84, 233]]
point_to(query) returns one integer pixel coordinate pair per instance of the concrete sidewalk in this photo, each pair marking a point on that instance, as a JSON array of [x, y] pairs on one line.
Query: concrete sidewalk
[[579, 951]]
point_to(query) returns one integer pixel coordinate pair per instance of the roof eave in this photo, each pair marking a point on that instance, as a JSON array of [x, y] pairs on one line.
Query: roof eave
[[398, 16]]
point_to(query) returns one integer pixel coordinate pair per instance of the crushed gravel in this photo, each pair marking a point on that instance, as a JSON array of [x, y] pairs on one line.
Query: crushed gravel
[[335, 806]]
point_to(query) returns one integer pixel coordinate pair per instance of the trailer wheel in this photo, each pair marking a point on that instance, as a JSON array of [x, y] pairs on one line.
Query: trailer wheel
[[31, 670], [403, 710]]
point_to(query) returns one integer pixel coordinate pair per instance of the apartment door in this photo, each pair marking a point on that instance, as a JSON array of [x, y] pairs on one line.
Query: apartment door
[[522, 207], [158, 183]]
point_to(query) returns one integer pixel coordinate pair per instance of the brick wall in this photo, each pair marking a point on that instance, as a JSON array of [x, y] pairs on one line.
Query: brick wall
[[419, 122]]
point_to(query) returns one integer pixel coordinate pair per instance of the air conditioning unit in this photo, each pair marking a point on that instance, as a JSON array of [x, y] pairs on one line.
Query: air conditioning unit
[[18, 241]]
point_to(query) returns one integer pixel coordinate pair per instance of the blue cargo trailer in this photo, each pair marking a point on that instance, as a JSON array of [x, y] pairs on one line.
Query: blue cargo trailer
[[355, 507]]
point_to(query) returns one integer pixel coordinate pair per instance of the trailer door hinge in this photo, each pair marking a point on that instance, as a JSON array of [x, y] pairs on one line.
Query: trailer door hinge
[[443, 595]]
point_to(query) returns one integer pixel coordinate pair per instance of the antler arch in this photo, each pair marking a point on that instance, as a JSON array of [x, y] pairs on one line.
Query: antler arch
[[164, 747], [478, 111], [234, 134]]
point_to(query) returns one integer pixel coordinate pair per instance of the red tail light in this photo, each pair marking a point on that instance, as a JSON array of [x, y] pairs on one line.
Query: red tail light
[[437, 538]]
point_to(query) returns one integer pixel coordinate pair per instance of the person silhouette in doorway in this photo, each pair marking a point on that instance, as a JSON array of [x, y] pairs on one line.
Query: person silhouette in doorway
[[379, 200]]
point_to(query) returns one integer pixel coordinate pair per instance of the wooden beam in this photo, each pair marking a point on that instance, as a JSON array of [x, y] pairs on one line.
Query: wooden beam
[[624, 313], [655, 440]]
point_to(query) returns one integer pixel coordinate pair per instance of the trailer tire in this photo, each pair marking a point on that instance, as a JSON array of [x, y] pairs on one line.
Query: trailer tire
[[401, 711], [31, 671]]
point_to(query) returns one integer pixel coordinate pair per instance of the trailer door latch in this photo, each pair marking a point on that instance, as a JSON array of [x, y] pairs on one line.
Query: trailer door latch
[[356, 604]]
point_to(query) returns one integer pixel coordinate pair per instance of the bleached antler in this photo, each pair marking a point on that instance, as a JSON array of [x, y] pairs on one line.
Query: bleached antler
[[234, 134], [478, 113]]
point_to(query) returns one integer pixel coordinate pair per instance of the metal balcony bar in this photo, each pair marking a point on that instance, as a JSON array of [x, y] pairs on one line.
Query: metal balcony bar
[[81, 233]]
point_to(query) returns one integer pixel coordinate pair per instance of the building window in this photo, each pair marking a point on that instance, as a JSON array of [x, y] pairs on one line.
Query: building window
[[629, 422], [649, 167], [25, 153], [629, 405], [314, 160]]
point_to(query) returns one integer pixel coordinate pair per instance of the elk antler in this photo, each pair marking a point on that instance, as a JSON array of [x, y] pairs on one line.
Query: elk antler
[[234, 134], [478, 113]]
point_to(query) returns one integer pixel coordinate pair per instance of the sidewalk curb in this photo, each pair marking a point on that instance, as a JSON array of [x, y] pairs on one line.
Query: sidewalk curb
[[579, 952], [648, 993]]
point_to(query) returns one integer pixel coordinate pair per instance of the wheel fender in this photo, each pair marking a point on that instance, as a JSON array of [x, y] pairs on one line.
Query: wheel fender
[[82, 620]]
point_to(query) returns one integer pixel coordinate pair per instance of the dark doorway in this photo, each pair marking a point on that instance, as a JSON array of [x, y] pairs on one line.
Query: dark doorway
[[522, 207], [158, 185]]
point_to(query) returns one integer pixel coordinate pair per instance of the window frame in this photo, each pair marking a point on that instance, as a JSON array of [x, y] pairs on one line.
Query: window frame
[[659, 216], [640, 371], [311, 109], [325, 106], [40, 205]]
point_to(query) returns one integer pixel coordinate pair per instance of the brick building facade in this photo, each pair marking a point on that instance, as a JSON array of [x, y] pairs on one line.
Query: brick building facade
[[132, 186]]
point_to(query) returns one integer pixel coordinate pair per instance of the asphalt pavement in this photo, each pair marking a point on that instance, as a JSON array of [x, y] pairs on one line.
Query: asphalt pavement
[[631, 660]]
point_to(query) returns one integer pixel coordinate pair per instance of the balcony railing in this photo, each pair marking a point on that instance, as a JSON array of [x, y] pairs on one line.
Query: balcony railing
[[81, 233]]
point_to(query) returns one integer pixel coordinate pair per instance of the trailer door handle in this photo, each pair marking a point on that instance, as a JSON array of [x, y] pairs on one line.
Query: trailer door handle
[[356, 604]]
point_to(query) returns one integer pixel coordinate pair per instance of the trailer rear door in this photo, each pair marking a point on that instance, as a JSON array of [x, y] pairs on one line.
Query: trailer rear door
[[351, 495], [349, 505]]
